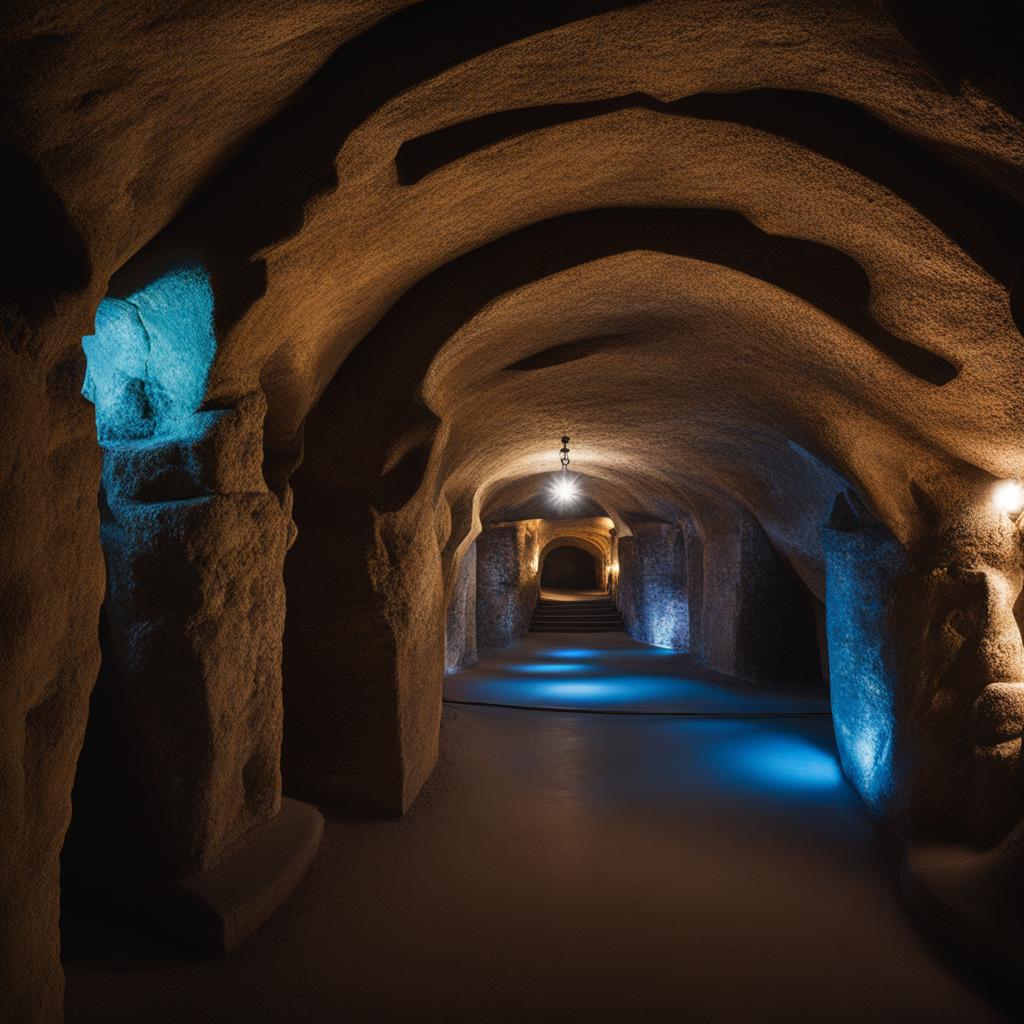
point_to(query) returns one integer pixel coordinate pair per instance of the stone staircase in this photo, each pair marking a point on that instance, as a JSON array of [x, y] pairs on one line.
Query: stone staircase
[[591, 615]]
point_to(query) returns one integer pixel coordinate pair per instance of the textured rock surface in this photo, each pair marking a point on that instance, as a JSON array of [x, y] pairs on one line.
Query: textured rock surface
[[195, 547], [654, 588], [507, 582]]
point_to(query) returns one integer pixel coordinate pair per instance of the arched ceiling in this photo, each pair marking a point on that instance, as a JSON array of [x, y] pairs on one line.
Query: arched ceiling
[[745, 252]]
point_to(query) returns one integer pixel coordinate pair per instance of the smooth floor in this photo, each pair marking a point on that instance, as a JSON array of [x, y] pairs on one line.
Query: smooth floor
[[571, 866], [610, 672]]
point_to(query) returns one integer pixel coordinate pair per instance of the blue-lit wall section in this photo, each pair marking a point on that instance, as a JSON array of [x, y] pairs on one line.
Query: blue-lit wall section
[[862, 560], [653, 593], [150, 356]]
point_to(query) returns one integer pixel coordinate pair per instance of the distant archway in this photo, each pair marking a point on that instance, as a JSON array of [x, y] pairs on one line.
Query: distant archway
[[570, 566]]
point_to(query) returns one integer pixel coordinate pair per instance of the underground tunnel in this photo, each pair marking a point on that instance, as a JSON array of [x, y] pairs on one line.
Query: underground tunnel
[[511, 512]]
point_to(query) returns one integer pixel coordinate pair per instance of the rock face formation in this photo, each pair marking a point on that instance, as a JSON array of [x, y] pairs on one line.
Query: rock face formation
[[754, 257]]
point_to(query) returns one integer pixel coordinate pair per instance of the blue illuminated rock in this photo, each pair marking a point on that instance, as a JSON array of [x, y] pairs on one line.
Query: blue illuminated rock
[[654, 585]]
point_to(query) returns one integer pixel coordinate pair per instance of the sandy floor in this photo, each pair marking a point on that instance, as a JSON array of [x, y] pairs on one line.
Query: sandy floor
[[566, 866]]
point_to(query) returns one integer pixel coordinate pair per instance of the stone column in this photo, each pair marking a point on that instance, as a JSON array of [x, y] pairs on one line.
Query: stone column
[[507, 583], [364, 649], [185, 754], [653, 585]]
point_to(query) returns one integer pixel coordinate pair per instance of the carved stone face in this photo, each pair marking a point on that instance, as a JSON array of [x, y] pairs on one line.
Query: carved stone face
[[928, 674]]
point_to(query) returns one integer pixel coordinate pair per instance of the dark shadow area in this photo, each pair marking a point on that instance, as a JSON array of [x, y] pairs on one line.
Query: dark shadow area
[[981, 40], [119, 943], [570, 568], [777, 630], [45, 255], [105, 892], [559, 355]]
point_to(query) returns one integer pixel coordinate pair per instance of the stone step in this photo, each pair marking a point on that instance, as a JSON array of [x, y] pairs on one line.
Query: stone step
[[597, 621], [576, 629], [558, 614], [596, 615]]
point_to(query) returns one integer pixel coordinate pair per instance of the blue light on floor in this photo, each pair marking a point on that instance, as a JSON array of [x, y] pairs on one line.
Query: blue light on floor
[[773, 758], [548, 668], [603, 690], [608, 655], [577, 692]]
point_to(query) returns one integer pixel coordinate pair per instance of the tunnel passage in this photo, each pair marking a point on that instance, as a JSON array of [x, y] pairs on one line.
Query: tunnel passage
[[569, 568], [345, 235]]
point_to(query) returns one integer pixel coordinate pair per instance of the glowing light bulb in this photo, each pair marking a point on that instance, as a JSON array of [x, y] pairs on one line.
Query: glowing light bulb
[[564, 489], [1008, 497]]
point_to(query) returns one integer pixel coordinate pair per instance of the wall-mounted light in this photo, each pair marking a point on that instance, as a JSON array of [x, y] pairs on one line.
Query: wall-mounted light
[[1008, 497], [564, 488], [613, 568]]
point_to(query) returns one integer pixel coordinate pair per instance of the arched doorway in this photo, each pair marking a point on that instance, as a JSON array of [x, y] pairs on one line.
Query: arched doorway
[[569, 568]]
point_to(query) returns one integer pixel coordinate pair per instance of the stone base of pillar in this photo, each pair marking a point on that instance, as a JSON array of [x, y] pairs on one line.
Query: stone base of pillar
[[364, 789], [213, 911]]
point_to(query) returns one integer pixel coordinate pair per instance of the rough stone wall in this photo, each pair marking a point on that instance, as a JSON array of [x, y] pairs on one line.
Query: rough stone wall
[[194, 544], [507, 582], [460, 633], [51, 586], [653, 587], [694, 545], [758, 618]]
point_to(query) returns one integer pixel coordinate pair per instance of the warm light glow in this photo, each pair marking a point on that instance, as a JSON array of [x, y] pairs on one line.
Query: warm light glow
[[613, 568], [564, 489], [1008, 497]]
